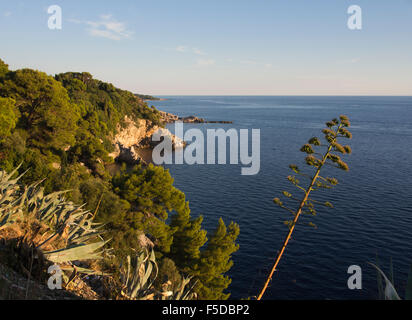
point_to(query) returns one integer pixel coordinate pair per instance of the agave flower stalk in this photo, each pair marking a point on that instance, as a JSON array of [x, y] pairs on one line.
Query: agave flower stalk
[[336, 129]]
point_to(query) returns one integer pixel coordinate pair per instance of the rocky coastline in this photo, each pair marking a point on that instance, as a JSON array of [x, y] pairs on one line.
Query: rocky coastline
[[133, 140], [170, 118]]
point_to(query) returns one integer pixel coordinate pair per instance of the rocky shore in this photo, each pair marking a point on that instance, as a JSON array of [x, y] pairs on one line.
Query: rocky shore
[[170, 118], [134, 139]]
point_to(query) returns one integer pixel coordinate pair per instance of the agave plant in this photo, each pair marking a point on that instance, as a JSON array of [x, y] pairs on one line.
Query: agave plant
[[390, 292], [52, 228], [308, 182], [139, 278]]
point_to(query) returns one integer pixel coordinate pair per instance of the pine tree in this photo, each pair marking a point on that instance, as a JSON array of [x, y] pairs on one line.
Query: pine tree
[[152, 196], [150, 190], [216, 261], [187, 240], [8, 117], [4, 68], [45, 108]]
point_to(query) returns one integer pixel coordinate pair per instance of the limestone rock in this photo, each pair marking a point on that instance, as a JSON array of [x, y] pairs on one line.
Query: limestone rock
[[134, 136]]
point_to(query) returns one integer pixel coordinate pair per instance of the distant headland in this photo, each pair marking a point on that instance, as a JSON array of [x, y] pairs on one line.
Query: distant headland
[[146, 97], [167, 117]]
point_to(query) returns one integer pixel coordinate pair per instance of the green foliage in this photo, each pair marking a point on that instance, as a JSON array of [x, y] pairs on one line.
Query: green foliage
[[62, 127], [8, 116], [69, 230], [146, 97], [4, 69], [139, 278], [216, 261], [67, 119], [168, 273], [188, 240], [150, 190], [46, 112], [61, 225], [57, 125], [103, 105], [152, 197]]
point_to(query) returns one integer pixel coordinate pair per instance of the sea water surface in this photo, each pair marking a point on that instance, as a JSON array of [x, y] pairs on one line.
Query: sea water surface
[[373, 201]]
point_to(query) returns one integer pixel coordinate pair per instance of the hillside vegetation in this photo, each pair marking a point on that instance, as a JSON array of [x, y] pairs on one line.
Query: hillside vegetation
[[60, 129]]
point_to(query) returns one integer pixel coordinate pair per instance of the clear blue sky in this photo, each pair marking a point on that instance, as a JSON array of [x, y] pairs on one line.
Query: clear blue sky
[[226, 47]]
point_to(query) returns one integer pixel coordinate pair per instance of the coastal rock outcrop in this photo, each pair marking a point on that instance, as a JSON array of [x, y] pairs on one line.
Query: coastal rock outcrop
[[134, 138], [167, 117]]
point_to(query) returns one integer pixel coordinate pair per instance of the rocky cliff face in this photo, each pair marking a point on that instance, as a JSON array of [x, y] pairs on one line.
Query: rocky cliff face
[[136, 136]]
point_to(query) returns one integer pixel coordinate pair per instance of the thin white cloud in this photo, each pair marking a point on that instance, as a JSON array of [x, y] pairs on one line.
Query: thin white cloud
[[106, 27], [249, 62], [187, 49], [198, 52], [181, 48], [317, 77], [205, 62], [7, 14], [106, 16], [353, 60]]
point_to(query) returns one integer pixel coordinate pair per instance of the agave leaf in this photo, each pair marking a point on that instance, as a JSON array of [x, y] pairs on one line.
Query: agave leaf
[[7, 177], [152, 265], [140, 287], [128, 270], [391, 272], [136, 284], [152, 256], [83, 270], [78, 252], [6, 196], [147, 297], [189, 293], [48, 239], [83, 238], [138, 269], [147, 274], [5, 221], [408, 294], [390, 291], [79, 226], [381, 294]]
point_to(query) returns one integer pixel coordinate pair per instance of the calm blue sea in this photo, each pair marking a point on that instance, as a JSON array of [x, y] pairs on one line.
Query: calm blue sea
[[373, 202]]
